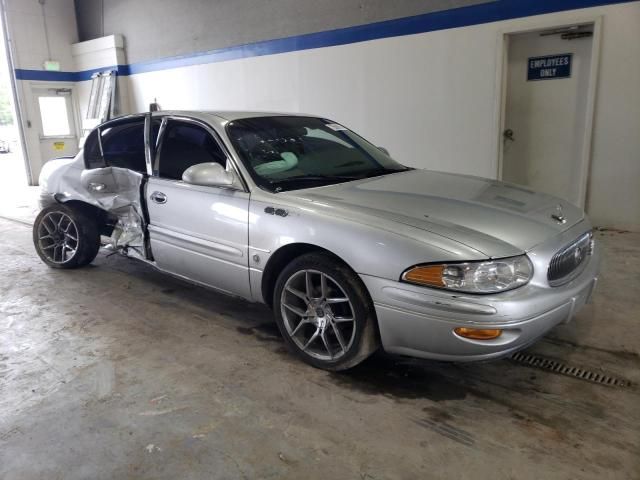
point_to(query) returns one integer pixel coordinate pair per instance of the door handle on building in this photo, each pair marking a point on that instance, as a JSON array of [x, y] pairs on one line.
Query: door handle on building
[[508, 135]]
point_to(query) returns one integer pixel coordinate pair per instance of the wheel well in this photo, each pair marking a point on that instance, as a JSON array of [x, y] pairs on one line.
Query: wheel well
[[280, 259], [106, 221]]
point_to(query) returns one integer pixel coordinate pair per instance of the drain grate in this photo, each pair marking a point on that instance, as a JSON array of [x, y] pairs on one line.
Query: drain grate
[[572, 371]]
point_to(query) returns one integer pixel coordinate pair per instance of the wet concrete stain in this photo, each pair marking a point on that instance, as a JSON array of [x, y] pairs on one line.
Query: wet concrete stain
[[267, 332], [400, 378]]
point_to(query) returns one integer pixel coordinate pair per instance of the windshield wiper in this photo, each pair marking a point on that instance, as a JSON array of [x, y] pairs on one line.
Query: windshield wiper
[[302, 179], [332, 178], [314, 178], [384, 171]]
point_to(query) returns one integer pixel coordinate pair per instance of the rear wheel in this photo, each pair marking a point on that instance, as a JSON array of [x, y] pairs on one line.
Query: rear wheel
[[66, 237], [324, 312]]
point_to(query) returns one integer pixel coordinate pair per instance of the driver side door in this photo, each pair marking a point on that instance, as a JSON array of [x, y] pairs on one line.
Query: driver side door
[[197, 232]]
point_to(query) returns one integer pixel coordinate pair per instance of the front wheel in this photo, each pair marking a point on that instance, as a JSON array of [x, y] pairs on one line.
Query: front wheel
[[65, 236], [324, 312]]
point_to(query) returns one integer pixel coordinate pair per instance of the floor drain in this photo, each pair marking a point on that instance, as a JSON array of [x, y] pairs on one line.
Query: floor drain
[[564, 369]]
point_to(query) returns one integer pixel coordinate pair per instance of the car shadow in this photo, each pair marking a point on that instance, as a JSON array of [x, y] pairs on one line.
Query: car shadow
[[381, 374]]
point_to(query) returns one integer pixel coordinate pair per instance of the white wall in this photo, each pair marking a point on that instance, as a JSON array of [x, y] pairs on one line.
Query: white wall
[[431, 99], [25, 29], [27, 32], [614, 187]]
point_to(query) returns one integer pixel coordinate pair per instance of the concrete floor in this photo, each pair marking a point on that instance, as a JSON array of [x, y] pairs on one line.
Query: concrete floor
[[116, 371]]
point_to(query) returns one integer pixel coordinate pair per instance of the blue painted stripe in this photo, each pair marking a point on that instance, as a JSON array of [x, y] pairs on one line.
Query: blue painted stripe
[[45, 75], [491, 11]]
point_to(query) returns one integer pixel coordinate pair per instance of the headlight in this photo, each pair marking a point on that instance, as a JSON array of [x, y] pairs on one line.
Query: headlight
[[474, 277]]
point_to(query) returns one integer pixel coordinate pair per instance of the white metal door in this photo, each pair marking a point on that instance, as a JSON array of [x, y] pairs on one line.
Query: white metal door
[[56, 122], [545, 116]]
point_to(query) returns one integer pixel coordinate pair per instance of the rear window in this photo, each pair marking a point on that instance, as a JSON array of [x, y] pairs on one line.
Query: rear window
[[122, 146]]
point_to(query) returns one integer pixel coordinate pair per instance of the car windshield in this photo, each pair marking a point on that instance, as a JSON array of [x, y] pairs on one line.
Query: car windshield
[[293, 152]]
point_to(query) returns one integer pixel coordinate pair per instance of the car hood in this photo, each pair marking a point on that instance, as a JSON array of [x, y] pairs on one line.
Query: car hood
[[497, 219]]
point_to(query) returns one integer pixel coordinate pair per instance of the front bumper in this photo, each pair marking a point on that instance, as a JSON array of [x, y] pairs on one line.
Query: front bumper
[[420, 322]]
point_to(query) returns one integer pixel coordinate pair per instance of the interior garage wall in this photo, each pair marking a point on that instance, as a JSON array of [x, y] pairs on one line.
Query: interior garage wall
[[28, 46], [161, 28], [431, 98]]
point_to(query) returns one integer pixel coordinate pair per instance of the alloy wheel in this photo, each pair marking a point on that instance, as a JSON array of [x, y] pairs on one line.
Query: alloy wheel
[[58, 237], [318, 315]]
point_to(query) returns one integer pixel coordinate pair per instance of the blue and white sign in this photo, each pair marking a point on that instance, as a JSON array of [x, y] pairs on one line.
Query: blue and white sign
[[549, 67]]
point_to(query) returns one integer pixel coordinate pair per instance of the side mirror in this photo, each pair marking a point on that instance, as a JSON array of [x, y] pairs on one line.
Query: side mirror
[[384, 150], [209, 175]]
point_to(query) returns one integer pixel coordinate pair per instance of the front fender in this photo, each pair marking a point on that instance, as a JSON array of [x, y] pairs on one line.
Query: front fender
[[369, 246]]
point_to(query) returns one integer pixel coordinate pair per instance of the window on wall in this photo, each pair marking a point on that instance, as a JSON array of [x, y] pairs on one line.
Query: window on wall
[[101, 97], [54, 116], [185, 144]]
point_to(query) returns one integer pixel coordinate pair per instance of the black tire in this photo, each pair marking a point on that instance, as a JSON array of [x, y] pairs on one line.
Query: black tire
[[362, 342], [86, 243]]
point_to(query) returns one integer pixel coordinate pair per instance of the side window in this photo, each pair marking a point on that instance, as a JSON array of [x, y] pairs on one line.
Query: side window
[[185, 144], [155, 130], [92, 156], [123, 145]]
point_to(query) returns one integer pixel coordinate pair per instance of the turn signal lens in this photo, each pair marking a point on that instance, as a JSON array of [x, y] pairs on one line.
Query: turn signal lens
[[429, 275], [478, 333]]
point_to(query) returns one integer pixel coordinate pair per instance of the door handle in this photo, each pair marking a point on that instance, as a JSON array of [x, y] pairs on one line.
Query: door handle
[[508, 135], [158, 197]]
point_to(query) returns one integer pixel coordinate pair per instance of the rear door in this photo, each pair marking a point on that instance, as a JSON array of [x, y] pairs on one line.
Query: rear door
[[115, 163], [197, 232]]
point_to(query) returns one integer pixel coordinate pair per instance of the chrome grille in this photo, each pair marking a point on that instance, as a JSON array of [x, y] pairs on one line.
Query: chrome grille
[[569, 262]]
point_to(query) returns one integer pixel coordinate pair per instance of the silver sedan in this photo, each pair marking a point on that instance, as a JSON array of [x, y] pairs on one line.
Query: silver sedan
[[352, 250]]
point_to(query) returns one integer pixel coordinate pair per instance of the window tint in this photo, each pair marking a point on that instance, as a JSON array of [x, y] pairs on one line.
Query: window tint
[[123, 145], [184, 145], [92, 156], [155, 131]]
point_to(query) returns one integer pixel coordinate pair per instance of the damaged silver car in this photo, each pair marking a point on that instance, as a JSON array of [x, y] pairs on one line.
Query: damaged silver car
[[350, 249]]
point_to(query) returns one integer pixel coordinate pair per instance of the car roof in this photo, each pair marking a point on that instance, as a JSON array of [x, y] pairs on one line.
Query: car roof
[[220, 117], [230, 115]]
